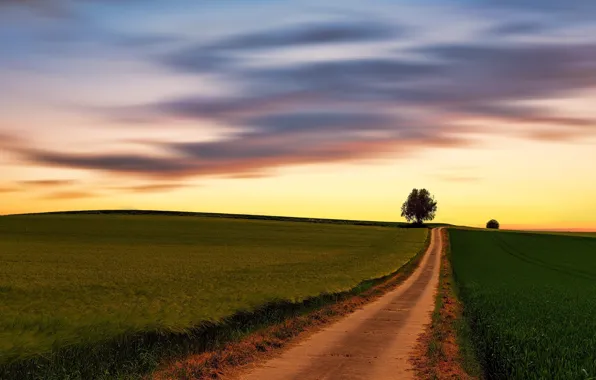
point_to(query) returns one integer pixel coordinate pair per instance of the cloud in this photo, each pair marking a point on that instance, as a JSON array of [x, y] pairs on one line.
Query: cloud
[[228, 108], [357, 109], [585, 7], [353, 83], [466, 76], [147, 40], [60, 195], [47, 182], [321, 122], [58, 9], [513, 72], [516, 113], [219, 54], [150, 188], [519, 27], [466, 80], [116, 163], [10, 140], [8, 189], [357, 79], [301, 139], [275, 140], [308, 34], [556, 135]]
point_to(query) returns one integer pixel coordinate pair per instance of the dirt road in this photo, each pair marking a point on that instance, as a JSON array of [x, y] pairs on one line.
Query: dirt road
[[374, 342]]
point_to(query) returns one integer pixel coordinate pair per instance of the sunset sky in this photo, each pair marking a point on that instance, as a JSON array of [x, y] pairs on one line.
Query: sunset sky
[[303, 108]]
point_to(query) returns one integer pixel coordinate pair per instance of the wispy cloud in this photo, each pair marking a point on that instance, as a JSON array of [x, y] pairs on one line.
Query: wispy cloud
[[150, 187], [525, 27], [308, 34], [47, 183], [59, 195], [220, 55], [8, 189], [143, 165], [241, 156]]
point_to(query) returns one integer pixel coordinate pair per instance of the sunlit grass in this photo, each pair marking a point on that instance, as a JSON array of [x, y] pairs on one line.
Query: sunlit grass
[[80, 279]]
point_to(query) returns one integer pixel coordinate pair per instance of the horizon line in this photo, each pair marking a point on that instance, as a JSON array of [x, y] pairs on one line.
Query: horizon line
[[519, 227]]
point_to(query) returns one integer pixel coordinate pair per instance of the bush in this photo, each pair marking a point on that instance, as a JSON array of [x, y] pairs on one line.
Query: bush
[[493, 224]]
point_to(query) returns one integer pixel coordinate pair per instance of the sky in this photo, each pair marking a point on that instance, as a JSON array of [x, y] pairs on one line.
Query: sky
[[331, 109]]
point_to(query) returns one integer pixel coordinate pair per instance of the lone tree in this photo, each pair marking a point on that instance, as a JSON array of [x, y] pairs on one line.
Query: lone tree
[[419, 206], [492, 224]]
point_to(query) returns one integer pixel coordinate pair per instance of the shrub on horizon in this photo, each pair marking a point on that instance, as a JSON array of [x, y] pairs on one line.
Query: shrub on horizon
[[492, 224]]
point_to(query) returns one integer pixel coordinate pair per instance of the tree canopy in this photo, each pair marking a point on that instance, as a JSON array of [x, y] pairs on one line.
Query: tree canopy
[[419, 206]]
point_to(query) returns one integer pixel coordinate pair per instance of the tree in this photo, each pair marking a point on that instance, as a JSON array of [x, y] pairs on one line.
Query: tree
[[419, 206], [492, 224]]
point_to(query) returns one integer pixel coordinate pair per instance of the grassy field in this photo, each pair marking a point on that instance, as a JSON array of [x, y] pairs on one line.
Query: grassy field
[[530, 301], [75, 280]]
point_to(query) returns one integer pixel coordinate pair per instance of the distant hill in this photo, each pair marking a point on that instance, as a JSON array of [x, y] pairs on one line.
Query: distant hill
[[234, 216]]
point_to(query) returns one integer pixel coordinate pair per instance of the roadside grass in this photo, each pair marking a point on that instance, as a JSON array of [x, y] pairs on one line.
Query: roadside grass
[[261, 341], [107, 296], [529, 300], [467, 355], [445, 350]]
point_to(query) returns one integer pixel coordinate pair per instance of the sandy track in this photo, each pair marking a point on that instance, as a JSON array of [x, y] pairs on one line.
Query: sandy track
[[374, 342]]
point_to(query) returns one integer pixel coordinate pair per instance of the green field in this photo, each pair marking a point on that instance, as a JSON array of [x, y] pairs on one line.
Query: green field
[[530, 300], [587, 234], [74, 280]]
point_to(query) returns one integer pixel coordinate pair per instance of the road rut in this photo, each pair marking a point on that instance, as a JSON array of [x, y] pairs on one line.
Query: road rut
[[374, 342]]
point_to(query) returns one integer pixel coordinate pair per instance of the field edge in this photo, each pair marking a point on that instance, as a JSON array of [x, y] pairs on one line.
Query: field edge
[[353, 222], [445, 349]]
